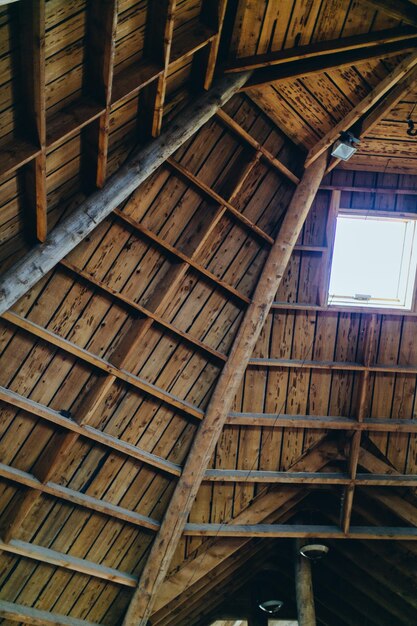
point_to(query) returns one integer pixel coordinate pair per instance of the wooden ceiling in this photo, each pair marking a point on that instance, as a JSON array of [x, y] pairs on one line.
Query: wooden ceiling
[[110, 362]]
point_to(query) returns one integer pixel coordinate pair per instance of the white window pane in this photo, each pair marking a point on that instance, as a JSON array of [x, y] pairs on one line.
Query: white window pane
[[373, 257]]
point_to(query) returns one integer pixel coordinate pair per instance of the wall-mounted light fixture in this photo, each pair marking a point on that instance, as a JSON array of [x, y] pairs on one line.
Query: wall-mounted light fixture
[[345, 147]]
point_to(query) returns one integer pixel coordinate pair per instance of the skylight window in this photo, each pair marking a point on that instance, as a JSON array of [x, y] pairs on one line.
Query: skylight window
[[374, 262]]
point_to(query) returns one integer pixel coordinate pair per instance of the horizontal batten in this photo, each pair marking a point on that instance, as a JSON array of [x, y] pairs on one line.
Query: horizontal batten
[[334, 365], [331, 422], [124, 300], [76, 498], [67, 561], [301, 531], [172, 251], [97, 436], [101, 364], [332, 308], [309, 478]]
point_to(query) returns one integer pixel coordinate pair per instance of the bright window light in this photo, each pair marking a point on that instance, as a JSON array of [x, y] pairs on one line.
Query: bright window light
[[374, 262]]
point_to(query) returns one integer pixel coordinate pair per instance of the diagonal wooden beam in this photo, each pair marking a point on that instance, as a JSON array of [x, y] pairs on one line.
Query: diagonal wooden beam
[[363, 107], [363, 407], [369, 121], [366, 43], [268, 506], [71, 231], [398, 9], [219, 406]]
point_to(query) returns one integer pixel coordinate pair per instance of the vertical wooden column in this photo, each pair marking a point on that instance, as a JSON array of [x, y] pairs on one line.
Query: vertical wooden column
[[32, 45], [328, 254], [101, 35], [158, 40], [304, 588], [212, 15]]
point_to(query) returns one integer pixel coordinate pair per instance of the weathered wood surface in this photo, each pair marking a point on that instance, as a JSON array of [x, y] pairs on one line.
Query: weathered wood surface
[[100, 204], [304, 591], [221, 401]]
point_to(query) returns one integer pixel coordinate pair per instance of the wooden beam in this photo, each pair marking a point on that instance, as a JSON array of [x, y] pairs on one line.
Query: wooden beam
[[369, 121], [324, 422], [398, 9], [347, 366], [268, 506], [68, 234], [362, 411], [123, 300], [398, 93], [360, 109], [77, 498], [178, 254], [364, 42], [307, 531], [247, 138], [101, 364], [304, 594], [32, 75], [67, 561], [304, 68], [36, 617], [101, 46], [219, 406], [88, 432], [310, 478]]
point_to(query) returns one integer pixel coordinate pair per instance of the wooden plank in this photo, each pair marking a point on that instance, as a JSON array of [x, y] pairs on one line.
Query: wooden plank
[[183, 257], [89, 432], [90, 213], [177, 167], [76, 498], [101, 43], [32, 39], [335, 422], [318, 49], [382, 533], [228, 383], [270, 159], [309, 478], [359, 110], [278, 74], [101, 364], [67, 561], [398, 9], [124, 300], [333, 365], [37, 617], [267, 506]]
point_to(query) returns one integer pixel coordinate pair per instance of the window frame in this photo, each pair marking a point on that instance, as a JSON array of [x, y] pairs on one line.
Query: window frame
[[334, 212]]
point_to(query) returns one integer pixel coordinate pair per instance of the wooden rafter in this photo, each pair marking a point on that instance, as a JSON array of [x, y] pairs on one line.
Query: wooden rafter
[[267, 506], [167, 539], [381, 110], [20, 278], [399, 9], [381, 533], [360, 109], [36, 617], [364, 42]]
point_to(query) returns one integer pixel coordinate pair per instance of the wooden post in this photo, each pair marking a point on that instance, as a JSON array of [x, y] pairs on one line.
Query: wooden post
[[71, 231], [220, 404], [304, 588]]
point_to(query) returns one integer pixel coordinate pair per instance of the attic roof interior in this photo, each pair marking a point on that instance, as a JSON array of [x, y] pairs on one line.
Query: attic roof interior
[[182, 403]]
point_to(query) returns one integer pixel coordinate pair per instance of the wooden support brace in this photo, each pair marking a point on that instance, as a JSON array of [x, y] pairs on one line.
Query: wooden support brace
[[219, 406]]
